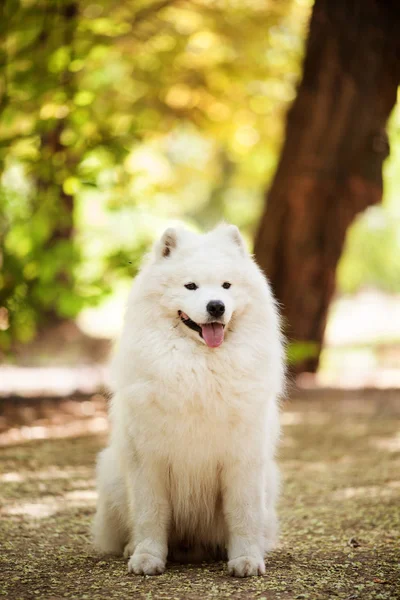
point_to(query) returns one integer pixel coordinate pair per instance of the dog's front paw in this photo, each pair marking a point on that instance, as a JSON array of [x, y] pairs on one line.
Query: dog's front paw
[[246, 566], [145, 564]]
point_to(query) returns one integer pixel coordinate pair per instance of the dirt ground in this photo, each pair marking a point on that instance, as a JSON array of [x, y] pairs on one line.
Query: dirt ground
[[340, 507]]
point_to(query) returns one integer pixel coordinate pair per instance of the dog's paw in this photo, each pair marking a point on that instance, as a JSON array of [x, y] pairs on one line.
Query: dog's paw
[[246, 566], [145, 564], [129, 549]]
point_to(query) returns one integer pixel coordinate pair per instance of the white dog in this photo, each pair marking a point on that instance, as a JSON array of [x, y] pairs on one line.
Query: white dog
[[190, 471]]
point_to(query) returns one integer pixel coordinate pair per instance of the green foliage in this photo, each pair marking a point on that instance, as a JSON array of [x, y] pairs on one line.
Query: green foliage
[[296, 352], [117, 116], [122, 115]]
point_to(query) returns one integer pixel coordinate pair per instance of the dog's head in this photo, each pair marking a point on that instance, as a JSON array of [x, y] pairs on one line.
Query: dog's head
[[200, 282]]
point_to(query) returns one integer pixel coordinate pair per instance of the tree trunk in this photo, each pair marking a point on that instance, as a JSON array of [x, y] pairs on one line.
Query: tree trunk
[[331, 163], [50, 140], [50, 190]]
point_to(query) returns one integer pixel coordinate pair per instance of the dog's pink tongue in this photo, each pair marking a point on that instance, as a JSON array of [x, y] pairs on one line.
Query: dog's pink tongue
[[213, 334]]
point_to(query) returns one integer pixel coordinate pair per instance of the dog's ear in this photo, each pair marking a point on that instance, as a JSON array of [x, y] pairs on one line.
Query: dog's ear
[[236, 237], [167, 243]]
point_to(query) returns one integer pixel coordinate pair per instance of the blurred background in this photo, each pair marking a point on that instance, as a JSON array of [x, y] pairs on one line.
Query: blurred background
[[120, 117]]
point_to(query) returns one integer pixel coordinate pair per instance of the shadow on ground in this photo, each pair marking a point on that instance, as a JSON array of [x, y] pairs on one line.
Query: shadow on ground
[[340, 510]]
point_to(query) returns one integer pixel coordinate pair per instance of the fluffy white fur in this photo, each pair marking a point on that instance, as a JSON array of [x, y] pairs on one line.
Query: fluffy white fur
[[190, 469]]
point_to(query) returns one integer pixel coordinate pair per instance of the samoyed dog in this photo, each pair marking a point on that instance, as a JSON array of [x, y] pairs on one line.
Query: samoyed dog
[[190, 471]]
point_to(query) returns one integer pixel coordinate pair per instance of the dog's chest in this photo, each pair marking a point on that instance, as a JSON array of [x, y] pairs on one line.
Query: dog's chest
[[196, 372], [194, 427], [196, 407]]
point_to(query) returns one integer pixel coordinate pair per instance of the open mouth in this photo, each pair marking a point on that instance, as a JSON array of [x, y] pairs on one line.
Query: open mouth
[[212, 333]]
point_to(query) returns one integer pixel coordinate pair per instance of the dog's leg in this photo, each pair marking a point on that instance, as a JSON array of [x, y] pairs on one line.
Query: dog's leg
[[271, 521], [150, 516], [244, 510], [109, 529]]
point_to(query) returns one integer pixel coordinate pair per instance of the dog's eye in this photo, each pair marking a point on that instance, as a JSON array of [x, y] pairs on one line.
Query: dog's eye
[[226, 285], [191, 286]]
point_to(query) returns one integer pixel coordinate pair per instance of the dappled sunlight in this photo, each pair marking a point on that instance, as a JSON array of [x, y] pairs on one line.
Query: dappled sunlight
[[63, 381], [122, 118], [307, 467], [18, 435], [389, 444], [290, 417], [81, 498], [12, 478], [338, 508], [34, 510], [390, 489], [47, 418], [73, 475], [48, 506]]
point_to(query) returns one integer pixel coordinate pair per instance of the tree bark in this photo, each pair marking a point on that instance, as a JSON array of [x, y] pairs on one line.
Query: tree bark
[[330, 167], [49, 189]]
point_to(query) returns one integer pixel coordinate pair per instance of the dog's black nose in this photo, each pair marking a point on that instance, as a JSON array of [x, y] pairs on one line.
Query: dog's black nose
[[216, 308]]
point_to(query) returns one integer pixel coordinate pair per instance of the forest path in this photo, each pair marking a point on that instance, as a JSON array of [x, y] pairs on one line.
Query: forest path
[[340, 508]]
